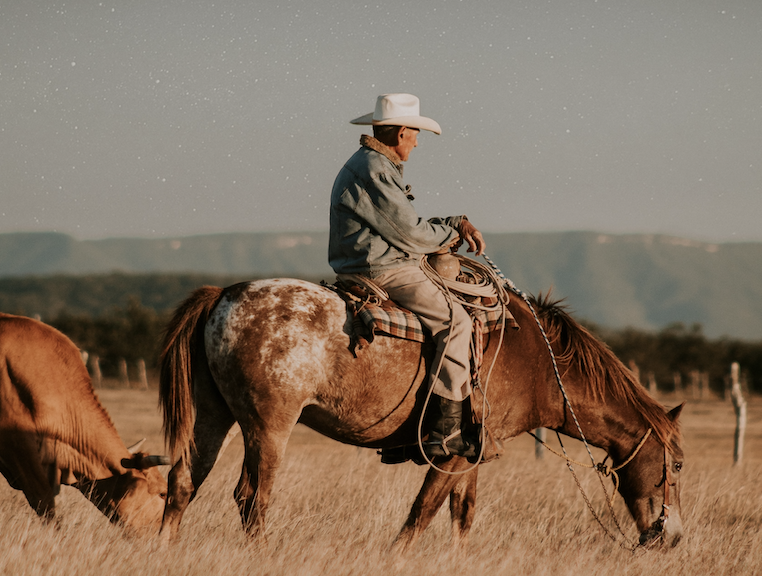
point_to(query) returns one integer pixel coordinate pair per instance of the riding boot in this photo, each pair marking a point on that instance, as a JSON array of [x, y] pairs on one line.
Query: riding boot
[[443, 422]]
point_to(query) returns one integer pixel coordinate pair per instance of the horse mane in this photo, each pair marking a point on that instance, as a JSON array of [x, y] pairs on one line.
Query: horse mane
[[605, 373]]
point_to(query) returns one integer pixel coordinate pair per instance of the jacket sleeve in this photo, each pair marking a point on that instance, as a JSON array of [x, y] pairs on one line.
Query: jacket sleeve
[[384, 205]]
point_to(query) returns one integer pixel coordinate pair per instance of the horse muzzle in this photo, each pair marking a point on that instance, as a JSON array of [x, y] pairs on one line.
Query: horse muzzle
[[667, 530]]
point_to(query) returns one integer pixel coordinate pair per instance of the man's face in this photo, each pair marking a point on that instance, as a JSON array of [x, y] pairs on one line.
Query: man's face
[[408, 139]]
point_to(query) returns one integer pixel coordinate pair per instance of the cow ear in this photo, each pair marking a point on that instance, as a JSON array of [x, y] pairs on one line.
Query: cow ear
[[674, 414]]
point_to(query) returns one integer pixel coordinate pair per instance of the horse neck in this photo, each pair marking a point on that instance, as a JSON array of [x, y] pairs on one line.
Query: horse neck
[[606, 422], [607, 403]]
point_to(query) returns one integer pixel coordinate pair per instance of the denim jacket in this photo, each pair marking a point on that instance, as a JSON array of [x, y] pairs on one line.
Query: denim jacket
[[374, 226]]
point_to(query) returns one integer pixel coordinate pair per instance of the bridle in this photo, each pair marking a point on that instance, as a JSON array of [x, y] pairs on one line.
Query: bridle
[[650, 536], [656, 530]]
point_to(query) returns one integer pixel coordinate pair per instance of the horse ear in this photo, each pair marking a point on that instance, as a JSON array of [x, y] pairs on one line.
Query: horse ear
[[674, 414]]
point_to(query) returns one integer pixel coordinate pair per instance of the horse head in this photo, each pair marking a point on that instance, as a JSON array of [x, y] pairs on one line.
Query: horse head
[[650, 486]]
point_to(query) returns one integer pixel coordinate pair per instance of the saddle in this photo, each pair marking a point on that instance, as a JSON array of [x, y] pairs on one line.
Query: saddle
[[374, 313]]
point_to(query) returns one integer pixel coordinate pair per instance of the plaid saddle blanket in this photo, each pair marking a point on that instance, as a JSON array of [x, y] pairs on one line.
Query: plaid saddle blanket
[[395, 321]]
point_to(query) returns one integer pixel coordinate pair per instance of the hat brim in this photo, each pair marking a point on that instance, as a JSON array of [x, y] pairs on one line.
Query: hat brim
[[418, 122]]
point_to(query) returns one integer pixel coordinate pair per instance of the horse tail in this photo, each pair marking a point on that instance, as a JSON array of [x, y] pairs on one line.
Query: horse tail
[[182, 351]]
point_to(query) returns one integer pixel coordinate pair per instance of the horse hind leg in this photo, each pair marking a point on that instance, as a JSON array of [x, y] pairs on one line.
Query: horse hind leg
[[265, 445], [211, 432]]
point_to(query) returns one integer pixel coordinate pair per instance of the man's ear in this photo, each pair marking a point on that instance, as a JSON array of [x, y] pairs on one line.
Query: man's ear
[[398, 135]]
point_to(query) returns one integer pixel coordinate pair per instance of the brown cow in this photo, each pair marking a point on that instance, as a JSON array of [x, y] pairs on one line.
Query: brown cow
[[53, 431]]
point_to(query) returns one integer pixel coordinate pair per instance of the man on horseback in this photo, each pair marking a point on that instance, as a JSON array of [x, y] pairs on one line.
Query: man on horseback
[[376, 233]]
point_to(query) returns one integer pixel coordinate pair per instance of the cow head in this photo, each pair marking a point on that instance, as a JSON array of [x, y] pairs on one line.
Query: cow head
[[134, 499]]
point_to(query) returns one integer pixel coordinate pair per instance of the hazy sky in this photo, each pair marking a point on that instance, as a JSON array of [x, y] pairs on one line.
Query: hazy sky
[[170, 117]]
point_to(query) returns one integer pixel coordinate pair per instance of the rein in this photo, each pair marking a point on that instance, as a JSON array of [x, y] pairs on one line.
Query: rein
[[600, 467], [603, 470]]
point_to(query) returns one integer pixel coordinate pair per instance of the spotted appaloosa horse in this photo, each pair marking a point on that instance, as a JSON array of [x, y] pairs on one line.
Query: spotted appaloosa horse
[[272, 353]]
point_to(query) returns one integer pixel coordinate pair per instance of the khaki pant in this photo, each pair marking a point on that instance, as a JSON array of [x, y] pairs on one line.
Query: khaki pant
[[412, 289]]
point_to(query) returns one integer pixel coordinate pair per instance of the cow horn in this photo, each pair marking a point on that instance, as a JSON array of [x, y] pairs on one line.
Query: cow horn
[[143, 461], [154, 460], [136, 446]]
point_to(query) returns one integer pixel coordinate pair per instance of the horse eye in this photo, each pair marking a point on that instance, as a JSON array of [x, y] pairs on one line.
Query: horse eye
[[678, 466]]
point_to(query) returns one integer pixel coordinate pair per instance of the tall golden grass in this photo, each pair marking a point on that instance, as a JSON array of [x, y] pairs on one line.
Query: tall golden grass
[[336, 509]]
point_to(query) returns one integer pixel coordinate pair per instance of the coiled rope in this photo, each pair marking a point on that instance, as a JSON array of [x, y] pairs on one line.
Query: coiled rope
[[484, 283]]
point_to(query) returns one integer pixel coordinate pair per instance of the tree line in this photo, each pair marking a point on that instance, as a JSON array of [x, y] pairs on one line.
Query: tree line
[[134, 332], [672, 354]]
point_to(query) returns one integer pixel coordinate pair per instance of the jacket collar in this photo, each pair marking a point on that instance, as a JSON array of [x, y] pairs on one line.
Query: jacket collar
[[381, 148]]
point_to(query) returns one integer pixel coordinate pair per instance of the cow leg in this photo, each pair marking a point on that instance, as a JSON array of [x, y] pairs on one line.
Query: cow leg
[[462, 508], [41, 497], [213, 423], [436, 487], [25, 472], [21, 455]]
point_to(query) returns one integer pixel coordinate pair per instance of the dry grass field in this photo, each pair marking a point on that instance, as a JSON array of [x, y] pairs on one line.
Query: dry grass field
[[336, 509]]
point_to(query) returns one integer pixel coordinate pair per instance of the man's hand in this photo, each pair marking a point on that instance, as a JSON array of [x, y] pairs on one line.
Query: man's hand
[[451, 247], [470, 234]]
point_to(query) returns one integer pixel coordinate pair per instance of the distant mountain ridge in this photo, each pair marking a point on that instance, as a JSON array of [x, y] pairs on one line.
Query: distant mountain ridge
[[47, 253], [644, 281]]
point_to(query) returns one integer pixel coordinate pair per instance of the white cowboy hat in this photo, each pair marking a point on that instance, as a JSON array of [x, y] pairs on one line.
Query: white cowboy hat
[[398, 110]]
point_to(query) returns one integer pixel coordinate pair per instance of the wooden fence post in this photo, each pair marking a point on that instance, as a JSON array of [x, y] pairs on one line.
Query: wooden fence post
[[739, 404], [652, 383], [695, 380], [142, 376], [95, 370], [124, 378], [539, 449]]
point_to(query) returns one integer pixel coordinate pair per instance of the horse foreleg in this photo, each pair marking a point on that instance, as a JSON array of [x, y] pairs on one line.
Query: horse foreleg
[[436, 487], [463, 507]]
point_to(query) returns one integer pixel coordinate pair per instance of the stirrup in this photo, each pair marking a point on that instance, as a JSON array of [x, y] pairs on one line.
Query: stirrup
[[435, 447]]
